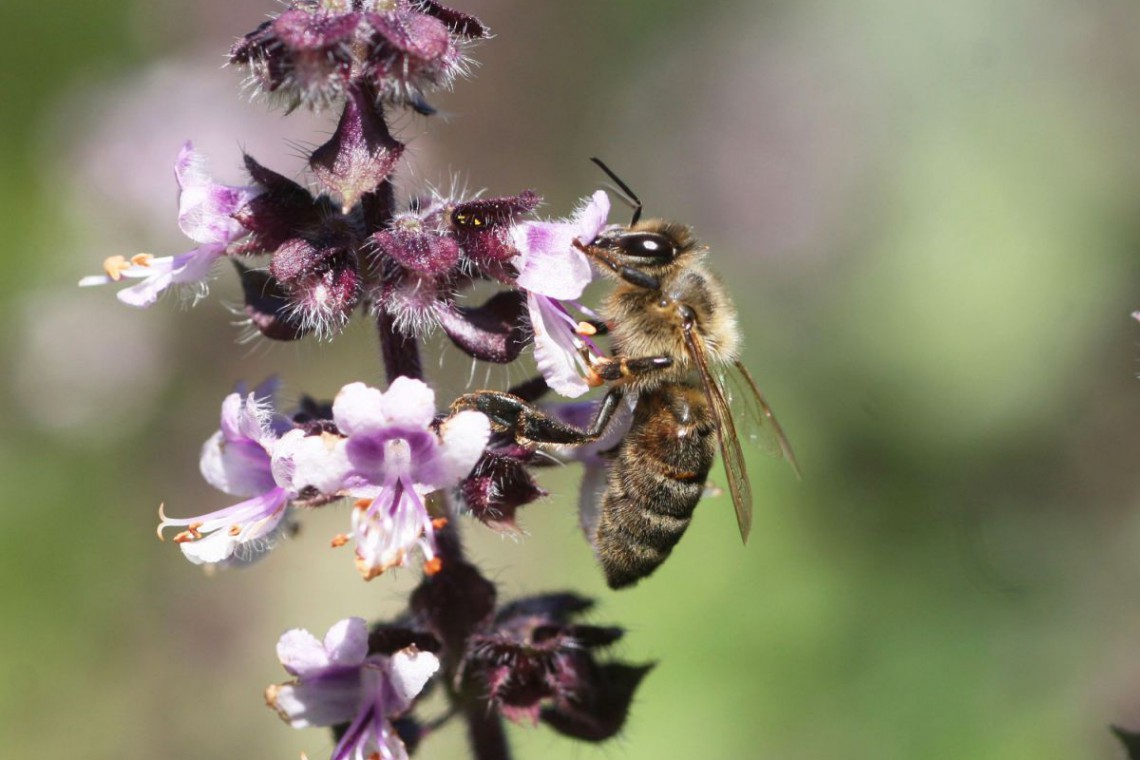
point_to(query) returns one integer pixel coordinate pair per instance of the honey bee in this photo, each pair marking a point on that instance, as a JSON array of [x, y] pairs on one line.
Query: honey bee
[[674, 332]]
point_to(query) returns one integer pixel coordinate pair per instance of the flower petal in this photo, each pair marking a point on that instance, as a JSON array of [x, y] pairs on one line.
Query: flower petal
[[555, 349], [310, 461], [301, 653], [347, 641], [358, 410], [463, 436], [409, 404], [319, 703], [408, 671], [205, 207]]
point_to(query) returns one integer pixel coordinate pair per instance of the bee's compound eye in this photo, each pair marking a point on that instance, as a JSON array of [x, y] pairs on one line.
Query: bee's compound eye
[[647, 245]]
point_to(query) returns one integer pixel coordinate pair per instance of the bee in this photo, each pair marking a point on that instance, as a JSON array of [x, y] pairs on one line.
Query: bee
[[674, 333]]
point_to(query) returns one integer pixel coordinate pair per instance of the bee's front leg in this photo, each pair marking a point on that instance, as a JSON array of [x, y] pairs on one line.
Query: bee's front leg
[[607, 369], [529, 424]]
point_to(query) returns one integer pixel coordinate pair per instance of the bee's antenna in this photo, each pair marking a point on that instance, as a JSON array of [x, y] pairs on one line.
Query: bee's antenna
[[633, 199]]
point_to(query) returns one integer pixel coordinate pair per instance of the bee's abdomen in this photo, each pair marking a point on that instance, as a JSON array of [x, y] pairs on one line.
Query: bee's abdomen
[[654, 484]]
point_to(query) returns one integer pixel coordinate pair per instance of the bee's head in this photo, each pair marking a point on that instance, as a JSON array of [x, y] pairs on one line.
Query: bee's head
[[652, 248]]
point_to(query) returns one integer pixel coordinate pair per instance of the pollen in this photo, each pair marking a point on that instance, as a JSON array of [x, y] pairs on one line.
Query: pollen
[[235, 530], [433, 566], [362, 504], [439, 523], [190, 534], [339, 540], [585, 328], [114, 266]]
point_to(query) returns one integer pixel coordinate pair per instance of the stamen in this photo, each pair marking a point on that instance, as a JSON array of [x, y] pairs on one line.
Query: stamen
[[235, 530], [439, 523], [142, 259], [433, 566], [114, 266], [339, 540], [585, 328], [362, 504], [190, 534]]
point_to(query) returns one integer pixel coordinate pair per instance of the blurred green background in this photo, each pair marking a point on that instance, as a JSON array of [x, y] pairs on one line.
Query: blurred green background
[[928, 213]]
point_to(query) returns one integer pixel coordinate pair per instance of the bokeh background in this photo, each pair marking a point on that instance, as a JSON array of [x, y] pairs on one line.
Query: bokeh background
[[929, 213]]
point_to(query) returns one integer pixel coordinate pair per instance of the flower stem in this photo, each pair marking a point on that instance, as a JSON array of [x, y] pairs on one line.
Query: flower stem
[[401, 353], [486, 732]]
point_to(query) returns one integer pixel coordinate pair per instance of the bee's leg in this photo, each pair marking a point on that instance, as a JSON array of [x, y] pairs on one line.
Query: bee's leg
[[511, 414], [591, 327], [609, 369]]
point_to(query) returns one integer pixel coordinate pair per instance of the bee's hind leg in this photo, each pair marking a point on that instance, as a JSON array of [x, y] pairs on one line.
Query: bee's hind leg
[[528, 423]]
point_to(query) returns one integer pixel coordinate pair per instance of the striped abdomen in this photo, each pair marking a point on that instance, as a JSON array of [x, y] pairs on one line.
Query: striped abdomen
[[656, 479]]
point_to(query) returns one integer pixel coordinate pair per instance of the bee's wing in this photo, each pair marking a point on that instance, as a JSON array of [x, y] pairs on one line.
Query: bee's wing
[[758, 424], [730, 452]]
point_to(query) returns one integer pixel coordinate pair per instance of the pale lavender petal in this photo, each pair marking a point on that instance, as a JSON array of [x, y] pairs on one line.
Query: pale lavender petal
[[301, 653], [237, 467], [358, 410], [347, 642], [549, 264], [408, 671], [463, 438], [254, 419], [195, 266], [409, 404], [590, 219], [310, 461], [320, 703], [555, 349], [95, 279], [159, 274], [230, 425], [548, 261], [146, 293], [241, 533], [205, 208]]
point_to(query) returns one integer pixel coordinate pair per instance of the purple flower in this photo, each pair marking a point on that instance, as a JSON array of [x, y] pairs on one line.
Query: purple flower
[[205, 215], [339, 682], [552, 270], [249, 457], [398, 457]]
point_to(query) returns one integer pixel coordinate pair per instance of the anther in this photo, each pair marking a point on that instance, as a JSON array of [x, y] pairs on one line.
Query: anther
[[585, 328], [339, 540], [439, 523], [433, 566]]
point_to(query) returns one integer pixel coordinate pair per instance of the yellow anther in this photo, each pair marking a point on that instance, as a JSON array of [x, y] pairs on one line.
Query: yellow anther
[[585, 328], [339, 540], [114, 266], [142, 259]]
